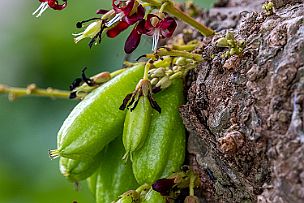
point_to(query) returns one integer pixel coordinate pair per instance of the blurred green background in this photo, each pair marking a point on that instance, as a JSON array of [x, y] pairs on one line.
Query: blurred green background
[[42, 51]]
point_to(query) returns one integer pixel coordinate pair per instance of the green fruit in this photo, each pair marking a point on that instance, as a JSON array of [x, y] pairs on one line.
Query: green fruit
[[176, 152], [78, 170], [150, 161], [114, 176], [96, 120], [92, 180], [136, 126], [153, 197]]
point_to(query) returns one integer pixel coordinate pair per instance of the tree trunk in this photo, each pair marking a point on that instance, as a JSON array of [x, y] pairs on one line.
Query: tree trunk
[[245, 114]]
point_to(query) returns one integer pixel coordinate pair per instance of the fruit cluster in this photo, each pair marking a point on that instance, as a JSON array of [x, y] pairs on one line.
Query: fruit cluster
[[119, 143]]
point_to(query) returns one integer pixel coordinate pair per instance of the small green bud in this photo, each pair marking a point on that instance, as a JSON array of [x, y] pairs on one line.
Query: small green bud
[[101, 77], [169, 72], [176, 68], [231, 43], [222, 42], [181, 61], [163, 63], [232, 51], [160, 72], [230, 36], [176, 75], [189, 61], [164, 82], [154, 81], [151, 71]]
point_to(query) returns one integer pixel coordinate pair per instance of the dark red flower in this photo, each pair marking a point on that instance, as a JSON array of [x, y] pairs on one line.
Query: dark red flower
[[163, 186], [126, 13], [159, 28], [45, 4], [153, 26], [133, 39], [55, 5]]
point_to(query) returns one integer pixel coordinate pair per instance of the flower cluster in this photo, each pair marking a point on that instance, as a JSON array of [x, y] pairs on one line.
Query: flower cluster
[[125, 14]]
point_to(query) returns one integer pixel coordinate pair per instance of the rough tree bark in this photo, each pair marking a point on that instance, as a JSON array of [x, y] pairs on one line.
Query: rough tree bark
[[245, 114]]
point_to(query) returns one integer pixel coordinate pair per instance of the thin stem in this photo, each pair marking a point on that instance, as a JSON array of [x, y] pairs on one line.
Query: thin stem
[[187, 19], [162, 8], [186, 47], [147, 68], [191, 185], [14, 92], [185, 54], [170, 8]]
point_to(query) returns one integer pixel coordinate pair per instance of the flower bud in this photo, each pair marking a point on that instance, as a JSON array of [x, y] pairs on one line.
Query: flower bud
[[232, 51], [176, 75], [222, 42], [102, 77], [165, 62], [160, 72], [181, 61], [154, 81], [90, 32], [169, 72], [164, 82], [176, 68], [230, 36]]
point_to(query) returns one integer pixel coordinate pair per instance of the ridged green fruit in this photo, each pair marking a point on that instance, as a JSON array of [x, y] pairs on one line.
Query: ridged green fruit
[[150, 161], [78, 170], [95, 121], [114, 176], [136, 126], [177, 153]]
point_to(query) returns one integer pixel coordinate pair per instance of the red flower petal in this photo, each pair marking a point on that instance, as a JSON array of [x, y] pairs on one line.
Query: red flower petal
[[121, 26], [132, 41], [140, 27], [138, 15], [123, 6], [101, 11], [55, 5], [167, 27], [148, 24], [163, 186]]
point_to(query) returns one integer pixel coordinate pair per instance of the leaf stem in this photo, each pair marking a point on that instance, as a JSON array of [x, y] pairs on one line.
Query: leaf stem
[[14, 92]]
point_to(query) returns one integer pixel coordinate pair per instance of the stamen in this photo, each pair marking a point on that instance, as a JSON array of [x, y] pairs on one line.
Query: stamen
[[116, 18], [155, 39], [79, 24], [43, 6]]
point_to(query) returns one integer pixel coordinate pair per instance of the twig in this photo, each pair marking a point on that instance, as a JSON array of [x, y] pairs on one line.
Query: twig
[[14, 92]]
